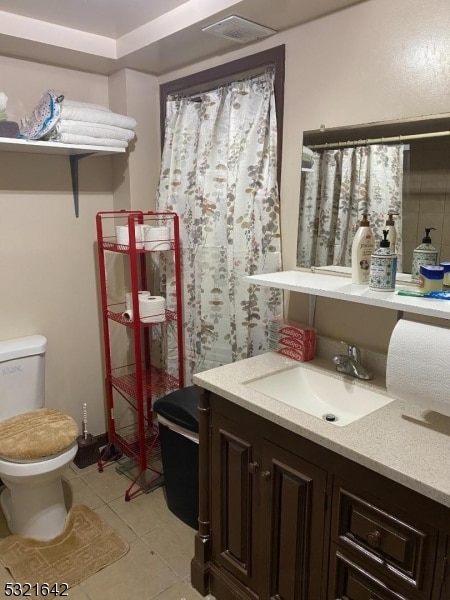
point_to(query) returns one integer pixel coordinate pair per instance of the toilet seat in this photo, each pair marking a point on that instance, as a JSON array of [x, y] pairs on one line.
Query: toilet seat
[[37, 468], [36, 436]]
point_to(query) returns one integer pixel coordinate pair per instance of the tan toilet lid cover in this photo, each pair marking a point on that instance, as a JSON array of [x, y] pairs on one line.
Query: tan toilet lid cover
[[36, 434]]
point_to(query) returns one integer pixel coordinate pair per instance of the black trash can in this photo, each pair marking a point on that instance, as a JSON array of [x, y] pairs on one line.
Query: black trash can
[[178, 432]]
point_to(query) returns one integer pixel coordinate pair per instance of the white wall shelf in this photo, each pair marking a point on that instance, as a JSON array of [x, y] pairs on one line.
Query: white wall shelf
[[40, 147], [73, 151], [341, 288]]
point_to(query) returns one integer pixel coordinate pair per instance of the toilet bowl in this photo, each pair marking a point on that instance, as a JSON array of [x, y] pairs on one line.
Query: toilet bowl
[[36, 444], [33, 499]]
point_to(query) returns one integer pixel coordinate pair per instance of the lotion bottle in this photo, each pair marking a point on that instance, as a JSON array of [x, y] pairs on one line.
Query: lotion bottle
[[392, 235], [425, 254], [383, 267], [362, 249]]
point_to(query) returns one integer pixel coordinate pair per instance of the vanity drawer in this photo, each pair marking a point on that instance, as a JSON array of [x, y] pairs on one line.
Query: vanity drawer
[[394, 546], [351, 582]]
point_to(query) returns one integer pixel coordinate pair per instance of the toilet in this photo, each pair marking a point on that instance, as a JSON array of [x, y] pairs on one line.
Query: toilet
[[37, 444]]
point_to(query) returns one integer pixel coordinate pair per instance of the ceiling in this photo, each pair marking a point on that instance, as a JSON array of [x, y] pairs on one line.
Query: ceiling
[[152, 36]]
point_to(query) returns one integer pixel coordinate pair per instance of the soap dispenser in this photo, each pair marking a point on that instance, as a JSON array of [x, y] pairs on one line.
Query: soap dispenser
[[425, 254], [392, 235], [362, 248], [383, 267]]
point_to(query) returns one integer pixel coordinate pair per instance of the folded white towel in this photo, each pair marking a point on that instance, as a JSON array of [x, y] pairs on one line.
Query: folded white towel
[[80, 104], [87, 140], [93, 115], [93, 129]]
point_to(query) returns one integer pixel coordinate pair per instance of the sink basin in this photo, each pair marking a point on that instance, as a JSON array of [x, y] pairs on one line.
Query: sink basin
[[334, 399]]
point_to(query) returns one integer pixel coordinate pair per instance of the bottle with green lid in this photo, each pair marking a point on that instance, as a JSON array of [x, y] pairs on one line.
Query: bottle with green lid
[[425, 254], [383, 267]]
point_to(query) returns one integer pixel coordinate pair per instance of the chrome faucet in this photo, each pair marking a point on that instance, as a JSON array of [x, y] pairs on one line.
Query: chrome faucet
[[350, 363]]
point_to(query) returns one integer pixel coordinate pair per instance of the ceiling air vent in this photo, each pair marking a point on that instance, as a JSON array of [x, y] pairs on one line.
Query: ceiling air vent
[[239, 30]]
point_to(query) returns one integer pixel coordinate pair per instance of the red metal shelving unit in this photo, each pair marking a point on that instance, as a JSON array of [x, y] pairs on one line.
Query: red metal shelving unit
[[140, 381]]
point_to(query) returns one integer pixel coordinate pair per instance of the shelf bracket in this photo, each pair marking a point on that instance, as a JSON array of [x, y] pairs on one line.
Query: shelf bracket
[[311, 309], [74, 158]]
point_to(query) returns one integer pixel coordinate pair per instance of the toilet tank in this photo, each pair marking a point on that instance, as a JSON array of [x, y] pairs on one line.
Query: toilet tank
[[22, 375]]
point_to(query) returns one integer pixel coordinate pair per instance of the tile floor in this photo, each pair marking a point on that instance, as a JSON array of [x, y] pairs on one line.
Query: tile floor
[[157, 565]]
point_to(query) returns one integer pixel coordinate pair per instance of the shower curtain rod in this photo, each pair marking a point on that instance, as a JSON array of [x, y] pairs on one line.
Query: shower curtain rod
[[381, 140], [195, 93]]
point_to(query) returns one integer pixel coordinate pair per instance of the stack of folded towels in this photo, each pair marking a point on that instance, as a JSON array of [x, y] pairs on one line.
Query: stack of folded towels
[[93, 125]]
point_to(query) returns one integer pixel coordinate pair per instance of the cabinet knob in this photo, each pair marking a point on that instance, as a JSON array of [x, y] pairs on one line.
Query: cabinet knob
[[374, 538], [266, 475], [253, 467]]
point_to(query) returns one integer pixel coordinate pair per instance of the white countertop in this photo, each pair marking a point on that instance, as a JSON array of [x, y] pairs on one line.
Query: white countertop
[[401, 440]]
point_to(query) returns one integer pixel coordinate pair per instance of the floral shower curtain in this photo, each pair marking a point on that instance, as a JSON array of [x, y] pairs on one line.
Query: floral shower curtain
[[342, 185], [219, 173]]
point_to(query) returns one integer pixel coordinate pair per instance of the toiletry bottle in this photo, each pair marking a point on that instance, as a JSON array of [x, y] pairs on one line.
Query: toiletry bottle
[[392, 235], [424, 254], [362, 248], [383, 267]]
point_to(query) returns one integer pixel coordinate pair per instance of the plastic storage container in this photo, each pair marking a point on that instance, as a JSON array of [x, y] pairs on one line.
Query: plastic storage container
[[431, 278], [178, 433], [446, 266]]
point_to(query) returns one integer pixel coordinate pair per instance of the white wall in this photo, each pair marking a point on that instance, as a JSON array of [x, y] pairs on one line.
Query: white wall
[[48, 258], [136, 174], [378, 60]]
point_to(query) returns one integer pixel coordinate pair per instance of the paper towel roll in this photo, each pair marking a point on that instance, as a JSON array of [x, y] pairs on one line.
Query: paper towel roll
[[152, 309], [418, 365], [156, 238], [129, 297], [128, 314]]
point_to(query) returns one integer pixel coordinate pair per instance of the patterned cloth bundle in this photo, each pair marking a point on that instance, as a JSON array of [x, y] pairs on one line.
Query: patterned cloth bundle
[[292, 339]]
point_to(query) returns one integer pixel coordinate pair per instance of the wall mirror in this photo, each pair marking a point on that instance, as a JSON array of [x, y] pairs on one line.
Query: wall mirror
[[397, 166]]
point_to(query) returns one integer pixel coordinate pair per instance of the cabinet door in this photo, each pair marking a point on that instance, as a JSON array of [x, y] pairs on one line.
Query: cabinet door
[[234, 469], [293, 501]]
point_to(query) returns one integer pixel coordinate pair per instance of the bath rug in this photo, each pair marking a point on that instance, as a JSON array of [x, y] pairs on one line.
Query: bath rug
[[87, 545]]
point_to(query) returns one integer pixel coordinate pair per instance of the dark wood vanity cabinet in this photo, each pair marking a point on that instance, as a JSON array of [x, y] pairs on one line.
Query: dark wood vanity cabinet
[[382, 545], [267, 509], [445, 585], [442, 584], [284, 518]]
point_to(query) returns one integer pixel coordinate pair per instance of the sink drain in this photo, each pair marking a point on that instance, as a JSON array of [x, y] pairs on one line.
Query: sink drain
[[330, 417]]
